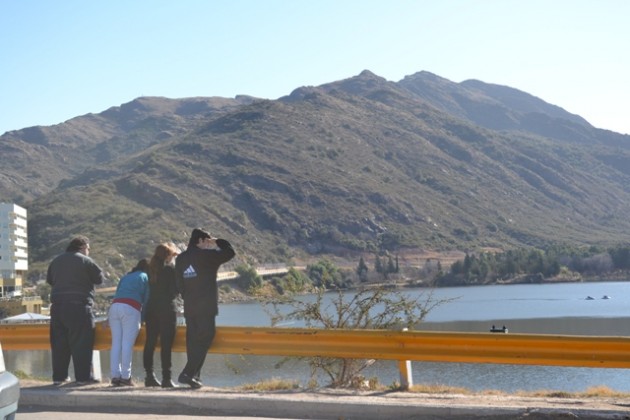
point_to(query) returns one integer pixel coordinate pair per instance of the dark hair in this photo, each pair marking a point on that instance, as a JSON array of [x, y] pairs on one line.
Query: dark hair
[[143, 265], [196, 235], [77, 243]]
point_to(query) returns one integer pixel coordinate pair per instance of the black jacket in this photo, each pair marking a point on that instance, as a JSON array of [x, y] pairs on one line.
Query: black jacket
[[72, 276], [196, 275], [163, 291]]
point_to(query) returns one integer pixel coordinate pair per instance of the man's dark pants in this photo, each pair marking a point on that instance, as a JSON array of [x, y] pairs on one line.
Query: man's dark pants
[[200, 331], [71, 336]]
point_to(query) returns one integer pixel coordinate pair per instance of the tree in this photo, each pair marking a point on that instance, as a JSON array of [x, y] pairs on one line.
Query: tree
[[391, 266], [368, 308], [294, 281], [378, 264], [248, 277], [362, 270], [325, 274], [621, 257]]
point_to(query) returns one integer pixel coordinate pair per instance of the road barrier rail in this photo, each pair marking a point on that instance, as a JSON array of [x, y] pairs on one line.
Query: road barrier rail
[[457, 347]]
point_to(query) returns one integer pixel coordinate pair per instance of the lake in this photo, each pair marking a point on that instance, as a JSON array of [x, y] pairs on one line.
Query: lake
[[533, 308]]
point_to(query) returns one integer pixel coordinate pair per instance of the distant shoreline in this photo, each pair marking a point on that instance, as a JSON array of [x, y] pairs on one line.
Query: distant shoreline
[[236, 296]]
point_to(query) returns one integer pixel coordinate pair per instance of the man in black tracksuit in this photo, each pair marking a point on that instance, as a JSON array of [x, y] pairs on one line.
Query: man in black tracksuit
[[196, 275]]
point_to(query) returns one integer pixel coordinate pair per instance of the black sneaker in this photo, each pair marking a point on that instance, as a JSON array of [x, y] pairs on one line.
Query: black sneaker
[[151, 380], [126, 382], [59, 383], [115, 382], [90, 381], [188, 380]]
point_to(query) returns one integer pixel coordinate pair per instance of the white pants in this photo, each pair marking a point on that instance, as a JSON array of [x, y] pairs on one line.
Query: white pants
[[124, 321]]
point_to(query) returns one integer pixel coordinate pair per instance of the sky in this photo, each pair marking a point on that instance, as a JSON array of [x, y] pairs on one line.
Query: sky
[[64, 58]]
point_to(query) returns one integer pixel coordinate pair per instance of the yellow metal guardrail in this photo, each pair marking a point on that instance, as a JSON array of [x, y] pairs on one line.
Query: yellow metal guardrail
[[524, 349]]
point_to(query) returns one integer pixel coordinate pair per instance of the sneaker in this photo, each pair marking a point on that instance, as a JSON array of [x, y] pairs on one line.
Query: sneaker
[[126, 382], [168, 383], [90, 381], [188, 380], [151, 380], [59, 383], [115, 382]]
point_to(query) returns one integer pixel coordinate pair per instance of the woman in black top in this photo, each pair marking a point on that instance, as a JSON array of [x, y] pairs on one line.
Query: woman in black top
[[161, 313]]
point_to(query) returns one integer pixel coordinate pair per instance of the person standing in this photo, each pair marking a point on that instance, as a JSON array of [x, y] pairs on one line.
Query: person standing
[[72, 276], [161, 313], [196, 276], [125, 320]]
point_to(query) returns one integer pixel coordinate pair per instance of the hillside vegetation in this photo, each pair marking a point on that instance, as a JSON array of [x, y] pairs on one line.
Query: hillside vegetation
[[353, 166]]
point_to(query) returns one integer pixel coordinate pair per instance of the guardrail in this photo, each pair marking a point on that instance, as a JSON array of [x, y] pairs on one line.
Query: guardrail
[[525, 349]]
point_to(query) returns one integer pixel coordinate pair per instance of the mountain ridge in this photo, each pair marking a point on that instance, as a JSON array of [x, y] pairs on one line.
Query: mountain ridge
[[357, 165]]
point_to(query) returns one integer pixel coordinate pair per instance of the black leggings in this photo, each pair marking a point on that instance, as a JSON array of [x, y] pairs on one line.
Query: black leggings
[[162, 325]]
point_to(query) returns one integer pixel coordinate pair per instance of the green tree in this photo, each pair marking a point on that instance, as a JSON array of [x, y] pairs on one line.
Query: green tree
[[378, 264], [248, 277], [325, 274], [391, 266], [621, 257], [294, 281], [362, 270]]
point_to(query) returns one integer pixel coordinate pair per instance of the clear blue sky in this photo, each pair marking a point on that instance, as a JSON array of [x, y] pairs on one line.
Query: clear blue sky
[[64, 58]]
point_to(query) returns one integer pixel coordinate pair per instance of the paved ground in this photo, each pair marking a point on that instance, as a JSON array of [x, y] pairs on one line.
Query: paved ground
[[56, 415], [38, 397]]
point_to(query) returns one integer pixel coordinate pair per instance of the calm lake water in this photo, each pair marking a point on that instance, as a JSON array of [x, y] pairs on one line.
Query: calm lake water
[[538, 309]]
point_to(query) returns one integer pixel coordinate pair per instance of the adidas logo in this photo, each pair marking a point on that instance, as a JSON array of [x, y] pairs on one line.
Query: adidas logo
[[190, 272]]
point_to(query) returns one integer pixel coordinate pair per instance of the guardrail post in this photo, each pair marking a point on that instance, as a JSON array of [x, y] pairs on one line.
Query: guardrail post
[[406, 375], [96, 365], [2, 366]]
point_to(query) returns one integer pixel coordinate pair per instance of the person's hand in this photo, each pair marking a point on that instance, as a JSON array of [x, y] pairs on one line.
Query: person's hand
[[209, 243]]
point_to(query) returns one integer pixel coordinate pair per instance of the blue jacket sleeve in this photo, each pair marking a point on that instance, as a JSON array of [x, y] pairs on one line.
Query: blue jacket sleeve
[[145, 295]]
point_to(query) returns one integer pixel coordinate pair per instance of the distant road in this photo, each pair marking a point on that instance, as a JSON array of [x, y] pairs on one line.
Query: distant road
[[263, 271]]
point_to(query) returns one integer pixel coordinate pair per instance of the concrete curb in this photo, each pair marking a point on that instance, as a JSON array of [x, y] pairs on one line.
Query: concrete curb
[[304, 405]]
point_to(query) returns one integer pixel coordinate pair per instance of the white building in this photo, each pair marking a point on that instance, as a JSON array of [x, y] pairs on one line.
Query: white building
[[13, 249]]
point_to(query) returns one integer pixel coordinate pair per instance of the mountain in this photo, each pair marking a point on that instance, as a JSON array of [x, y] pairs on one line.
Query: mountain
[[350, 166], [34, 160]]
